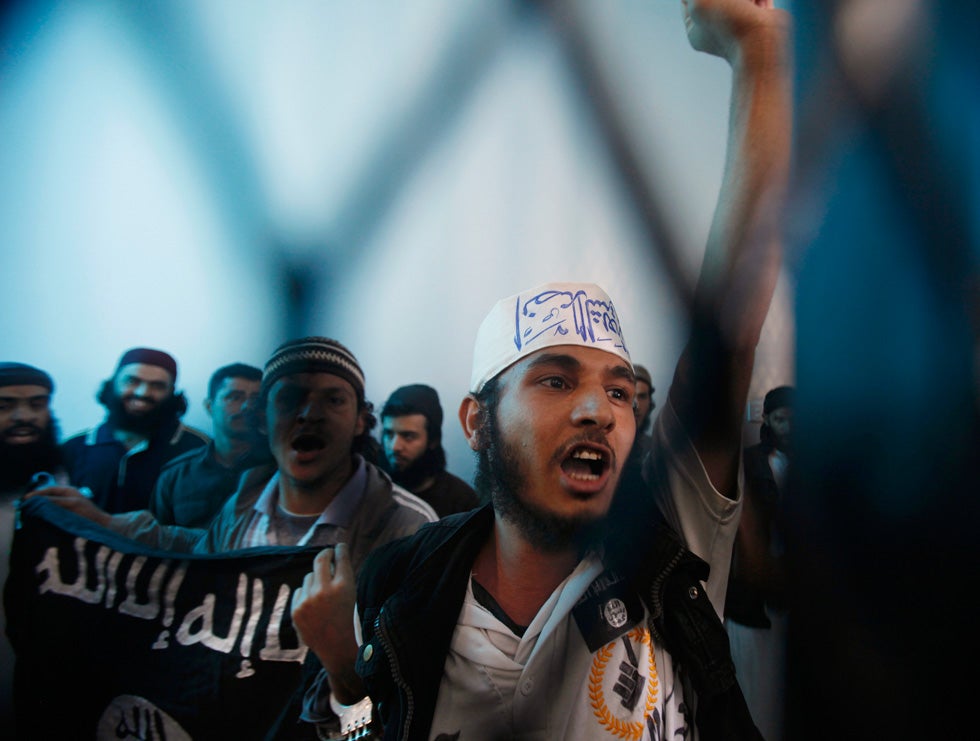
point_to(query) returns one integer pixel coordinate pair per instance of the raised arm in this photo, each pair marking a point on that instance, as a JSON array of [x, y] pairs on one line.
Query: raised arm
[[742, 256]]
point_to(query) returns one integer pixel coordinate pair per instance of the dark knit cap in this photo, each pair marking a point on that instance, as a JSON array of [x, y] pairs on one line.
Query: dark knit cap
[[149, 356], [314, 355], [642, 374], [21, 374], [416, 398], [777, 398]]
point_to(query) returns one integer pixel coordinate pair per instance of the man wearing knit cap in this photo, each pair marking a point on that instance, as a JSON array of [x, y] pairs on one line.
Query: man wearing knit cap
[[411, 434], [28, 448], [755, 606], [28, 430], [565, 608], [644, 406], [120, 460]]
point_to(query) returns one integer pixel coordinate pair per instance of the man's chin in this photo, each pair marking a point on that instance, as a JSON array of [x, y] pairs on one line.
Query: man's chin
[[582, 531]]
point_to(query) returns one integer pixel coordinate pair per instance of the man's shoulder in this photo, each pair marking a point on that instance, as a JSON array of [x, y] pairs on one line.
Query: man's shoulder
[[409, 508], [185, 460], [450, 494], [189, 438], [88, 436], [231, 520], [251, 484], [403, 554], [454, 483], [755, 455], [413, 503]]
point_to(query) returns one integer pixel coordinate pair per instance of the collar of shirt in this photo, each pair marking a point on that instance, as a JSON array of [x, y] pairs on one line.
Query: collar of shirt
[[338, 513]]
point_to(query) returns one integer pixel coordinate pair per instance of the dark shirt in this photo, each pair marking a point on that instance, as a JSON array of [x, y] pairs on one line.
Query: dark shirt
[[745, 603], [193, 487], [449, 494], [122, 480]]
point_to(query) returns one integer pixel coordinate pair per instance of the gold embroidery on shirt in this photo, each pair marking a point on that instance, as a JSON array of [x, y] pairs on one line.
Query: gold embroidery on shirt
[[631, 730]]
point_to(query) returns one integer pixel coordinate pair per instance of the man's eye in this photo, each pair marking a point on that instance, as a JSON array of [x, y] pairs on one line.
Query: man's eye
[[619, 394], [555, 382], [289, 398]]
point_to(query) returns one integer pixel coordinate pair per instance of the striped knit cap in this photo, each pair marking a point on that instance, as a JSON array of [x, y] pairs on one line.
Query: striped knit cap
[[314, 355]]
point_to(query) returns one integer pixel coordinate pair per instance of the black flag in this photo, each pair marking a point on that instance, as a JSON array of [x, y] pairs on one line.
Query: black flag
[[114, 640]]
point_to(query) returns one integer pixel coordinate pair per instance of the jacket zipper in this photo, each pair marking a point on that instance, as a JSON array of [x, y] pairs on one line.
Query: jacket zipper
[[396, 674], [656, 589]]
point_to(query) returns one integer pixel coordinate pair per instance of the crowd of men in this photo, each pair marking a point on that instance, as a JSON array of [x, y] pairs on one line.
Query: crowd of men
[[290, 460], [566, 605]]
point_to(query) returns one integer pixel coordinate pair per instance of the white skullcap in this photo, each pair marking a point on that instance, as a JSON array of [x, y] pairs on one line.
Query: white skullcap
[[548, 315]]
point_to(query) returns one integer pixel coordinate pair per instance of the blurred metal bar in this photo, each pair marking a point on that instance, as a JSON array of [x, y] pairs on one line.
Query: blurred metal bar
[[645, 192]]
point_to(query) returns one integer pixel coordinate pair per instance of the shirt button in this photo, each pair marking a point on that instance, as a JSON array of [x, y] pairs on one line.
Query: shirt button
[[527, 686], [368, 652], [692, 592]]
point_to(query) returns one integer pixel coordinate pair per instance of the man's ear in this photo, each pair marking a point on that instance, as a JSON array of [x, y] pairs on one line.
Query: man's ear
[[207, 406], [472, 416], [361, 423]]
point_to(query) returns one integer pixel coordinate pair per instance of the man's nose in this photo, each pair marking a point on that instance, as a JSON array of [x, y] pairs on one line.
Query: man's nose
[[592, 407], [311, 408]]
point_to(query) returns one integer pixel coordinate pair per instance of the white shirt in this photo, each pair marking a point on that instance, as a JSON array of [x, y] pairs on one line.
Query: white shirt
[[549, 684]]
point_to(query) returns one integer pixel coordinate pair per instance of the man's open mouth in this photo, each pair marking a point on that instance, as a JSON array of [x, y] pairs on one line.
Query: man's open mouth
[[22, 433], [585, 464], [138, 405], [308, 443]]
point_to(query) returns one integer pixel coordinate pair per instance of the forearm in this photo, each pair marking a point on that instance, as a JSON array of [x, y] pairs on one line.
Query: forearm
[[143, 527], [346, 686], [743, 252], [337, 656]]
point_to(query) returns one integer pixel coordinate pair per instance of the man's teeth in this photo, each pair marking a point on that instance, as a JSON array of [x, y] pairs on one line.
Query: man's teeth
[[590, 464]]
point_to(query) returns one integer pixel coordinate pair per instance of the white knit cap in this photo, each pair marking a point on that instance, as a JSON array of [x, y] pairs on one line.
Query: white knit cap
[[548, 315]]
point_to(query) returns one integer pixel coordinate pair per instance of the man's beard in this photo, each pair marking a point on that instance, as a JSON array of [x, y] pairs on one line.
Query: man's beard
[[500, 475], [145, 423], [18, 463], [432, 461]]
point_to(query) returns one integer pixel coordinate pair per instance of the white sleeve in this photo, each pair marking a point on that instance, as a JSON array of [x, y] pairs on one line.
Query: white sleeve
[[705, 519]]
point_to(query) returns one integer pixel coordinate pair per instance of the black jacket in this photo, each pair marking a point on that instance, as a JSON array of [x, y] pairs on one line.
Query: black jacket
[[410, 593]]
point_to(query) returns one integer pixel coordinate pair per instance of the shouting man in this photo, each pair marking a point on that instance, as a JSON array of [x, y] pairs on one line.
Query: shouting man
[[559, 610]]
